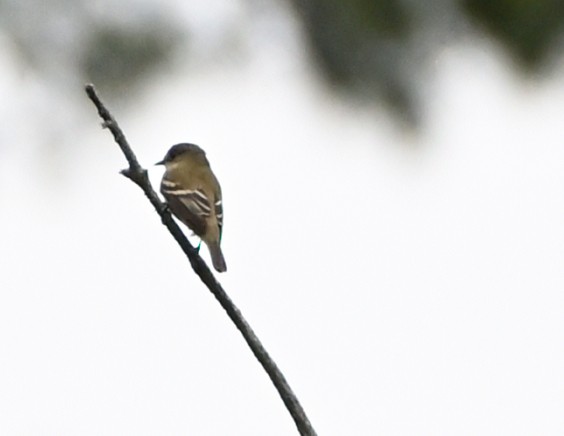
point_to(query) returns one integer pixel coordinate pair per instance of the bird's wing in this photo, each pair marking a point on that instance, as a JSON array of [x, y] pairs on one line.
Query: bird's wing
[[191, 206]]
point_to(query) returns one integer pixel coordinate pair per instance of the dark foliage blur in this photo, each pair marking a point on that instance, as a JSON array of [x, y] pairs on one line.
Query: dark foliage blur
[[378, 50], [529, 29], [114, 44], [362, 46], [118, 55], [375, 48]]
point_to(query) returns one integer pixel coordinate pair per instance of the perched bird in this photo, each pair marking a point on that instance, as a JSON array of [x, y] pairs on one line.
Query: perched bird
[[194, 196]]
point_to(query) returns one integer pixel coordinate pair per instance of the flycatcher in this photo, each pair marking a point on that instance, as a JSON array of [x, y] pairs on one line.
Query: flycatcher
[[194, 196]]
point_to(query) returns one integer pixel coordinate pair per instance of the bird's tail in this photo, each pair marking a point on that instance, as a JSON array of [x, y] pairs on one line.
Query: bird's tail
[[217, 257]]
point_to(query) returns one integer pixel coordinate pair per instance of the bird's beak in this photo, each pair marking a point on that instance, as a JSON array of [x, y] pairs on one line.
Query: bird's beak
[[161, 162]]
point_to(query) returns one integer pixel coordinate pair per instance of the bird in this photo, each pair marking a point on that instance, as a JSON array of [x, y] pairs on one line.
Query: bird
[[193, 194]]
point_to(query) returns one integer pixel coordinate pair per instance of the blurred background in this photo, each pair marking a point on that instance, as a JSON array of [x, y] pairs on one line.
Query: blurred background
[[392, 175]]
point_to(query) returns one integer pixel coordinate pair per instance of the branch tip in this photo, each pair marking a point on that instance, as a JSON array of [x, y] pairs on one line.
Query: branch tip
[[90, 89]]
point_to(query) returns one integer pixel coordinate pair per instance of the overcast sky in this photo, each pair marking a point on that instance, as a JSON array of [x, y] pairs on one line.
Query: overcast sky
[[405, 285]]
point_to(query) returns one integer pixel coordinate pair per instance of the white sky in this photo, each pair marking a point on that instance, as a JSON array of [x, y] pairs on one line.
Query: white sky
[[404, 285]]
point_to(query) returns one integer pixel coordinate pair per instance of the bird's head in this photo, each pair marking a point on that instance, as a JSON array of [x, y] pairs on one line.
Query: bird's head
[[182, 151]]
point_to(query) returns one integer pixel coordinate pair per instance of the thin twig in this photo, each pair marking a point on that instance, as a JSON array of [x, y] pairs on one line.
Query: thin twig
[[138, 175]]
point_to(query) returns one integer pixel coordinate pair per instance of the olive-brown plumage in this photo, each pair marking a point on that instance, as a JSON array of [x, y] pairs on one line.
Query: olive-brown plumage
[[194, 196]]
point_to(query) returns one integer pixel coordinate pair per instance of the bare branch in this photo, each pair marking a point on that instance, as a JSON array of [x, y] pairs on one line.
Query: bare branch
[[138, 175]]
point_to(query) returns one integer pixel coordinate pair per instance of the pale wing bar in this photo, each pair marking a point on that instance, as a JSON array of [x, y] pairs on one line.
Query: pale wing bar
[[195, 200]]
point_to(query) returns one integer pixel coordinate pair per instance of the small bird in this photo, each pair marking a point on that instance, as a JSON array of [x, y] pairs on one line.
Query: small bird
[[194, 196]]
